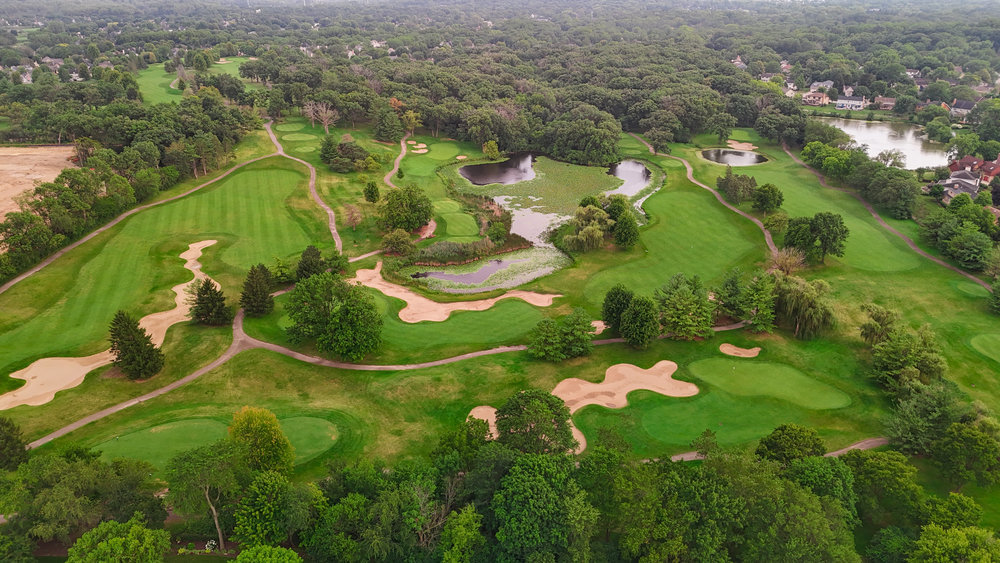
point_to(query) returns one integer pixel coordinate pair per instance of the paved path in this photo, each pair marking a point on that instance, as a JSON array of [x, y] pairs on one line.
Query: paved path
[[129, 213], [395, 165], [866, 444], [909, 242], [331, 218], [690, 176]]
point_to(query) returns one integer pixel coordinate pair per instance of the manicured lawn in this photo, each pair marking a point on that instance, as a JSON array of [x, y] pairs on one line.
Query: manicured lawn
[[256, 214], [753, 378], [154, 83]]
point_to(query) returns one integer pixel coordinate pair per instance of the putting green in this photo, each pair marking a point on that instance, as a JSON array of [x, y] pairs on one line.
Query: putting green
[[306, 149], [460, 225], [290, 127], [310, 436], [442, 206], [988, 345], [751, 378], [442, 151], [298, 137], [970, 288]]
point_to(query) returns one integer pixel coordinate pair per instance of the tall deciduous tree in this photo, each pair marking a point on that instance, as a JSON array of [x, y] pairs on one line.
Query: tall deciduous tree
[[355, 329], [767, 198], [12, 445], [626, 230], [268, 554], [133, 348], [966, 453], [461, 538], [259, 515], [616, 301], [639, 322], [535, 421], [120, 542], [266, 447], [256, 298], [790, 441], [406, 208]]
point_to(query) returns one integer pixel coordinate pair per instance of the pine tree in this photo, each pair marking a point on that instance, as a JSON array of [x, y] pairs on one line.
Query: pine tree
[[133, 348], [639, 325], [256, 298], [208, 305], [387, 126], [311, 263], [616, 300], [371, 192]]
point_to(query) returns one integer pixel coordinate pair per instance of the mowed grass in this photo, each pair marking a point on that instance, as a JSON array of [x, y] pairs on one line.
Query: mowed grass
[[453, 222], [751, 378], [310, 436], [154, 83], [256, 214]]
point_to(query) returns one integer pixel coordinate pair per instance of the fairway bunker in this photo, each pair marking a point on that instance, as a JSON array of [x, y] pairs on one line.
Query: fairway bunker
[[612, 393], [419, 308], [47, 376], [730, 350]]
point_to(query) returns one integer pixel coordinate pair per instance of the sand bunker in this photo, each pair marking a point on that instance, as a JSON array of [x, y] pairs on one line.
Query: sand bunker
[[599, 326], [21, 167], [619, 381], [740, 146], [427, 231], [730, 350], [411, 142], [419, 308], [461, 157], [421, 146], [47, 376], [419, 151]]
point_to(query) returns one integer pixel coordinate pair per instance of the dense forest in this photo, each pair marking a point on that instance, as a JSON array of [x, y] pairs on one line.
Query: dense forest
[[565, 79]]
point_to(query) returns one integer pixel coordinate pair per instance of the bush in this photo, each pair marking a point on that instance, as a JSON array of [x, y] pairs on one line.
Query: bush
[[371, 192], [445, 252], [569, 337], [398, 242]]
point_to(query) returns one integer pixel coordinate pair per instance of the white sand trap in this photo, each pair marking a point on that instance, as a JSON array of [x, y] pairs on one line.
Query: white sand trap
[[599, 326], [47, 376], [619, 381], [419, 308], [740, 146], [411, 142], [730, 350], [461, 157], [421, 146], [419, 151]]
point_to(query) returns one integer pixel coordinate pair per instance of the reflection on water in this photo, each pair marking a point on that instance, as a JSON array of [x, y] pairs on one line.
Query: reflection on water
[[515, 169], [733, 157], [883, 135], [635, 174]]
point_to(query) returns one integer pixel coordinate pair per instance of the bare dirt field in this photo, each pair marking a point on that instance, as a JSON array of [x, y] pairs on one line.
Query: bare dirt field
[[21, 167]]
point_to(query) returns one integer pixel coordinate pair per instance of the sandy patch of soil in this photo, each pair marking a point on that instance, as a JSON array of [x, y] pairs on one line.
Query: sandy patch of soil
[[730, 350], [740, 146], [427, 231], [411, 142], [47, 376], [419, 151], [223, 61], [461, 157], [619, 381], [420, 146], [21, 167], [599, 326], [419, 308]]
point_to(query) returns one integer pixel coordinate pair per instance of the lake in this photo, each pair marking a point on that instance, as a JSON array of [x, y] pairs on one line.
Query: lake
[[733, 157], [515, 169], [882, 135]]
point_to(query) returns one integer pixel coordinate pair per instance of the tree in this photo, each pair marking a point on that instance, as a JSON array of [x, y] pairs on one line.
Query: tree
[[535, 421], [684, 308], [13, 447], [491, 150], [388, 128], [256, 298], [133, 348], [371, 192], [626, 230], [789, 442], [206, 478], [411, 120], [115, 542], [259, 517], [268, 554], [803, 305], [722, 125], [310, 263], [825, 233], [260, 436], [969, 246], [954, 511], [886, 487], [407, 208], [616, 301], [966, 453], [995, 296], [923, 414], [827, 477], [355, 328], [880, 324], [461, 538], [208, 303], [569, 337], [639, 323], [352, 216], [938, 544], [326, 115], [758, 302], [767, 198], [398, 242], [737, 187]]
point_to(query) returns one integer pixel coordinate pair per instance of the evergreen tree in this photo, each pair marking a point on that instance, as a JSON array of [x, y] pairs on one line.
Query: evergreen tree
[[256, 298], [684, 308], [616, 300], [208, 303], [626, 230], [12, 445], [310, 263], [388, 128], [758, 302], [133, 348], [639, 325], [371, 192]]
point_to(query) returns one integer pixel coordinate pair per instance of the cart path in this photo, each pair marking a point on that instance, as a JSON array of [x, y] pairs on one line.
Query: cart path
[[331, 218], [866, 444], [395, 165], [909, 242], [30, 272], [690, 176]]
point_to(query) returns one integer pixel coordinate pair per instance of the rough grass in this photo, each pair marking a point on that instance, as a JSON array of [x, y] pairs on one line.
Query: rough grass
[[154, 83]]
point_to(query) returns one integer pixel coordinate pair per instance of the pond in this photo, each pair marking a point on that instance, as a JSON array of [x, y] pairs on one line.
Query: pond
[[635, 174], [906, 137], [733, 157], [517, 168], [477, 277]]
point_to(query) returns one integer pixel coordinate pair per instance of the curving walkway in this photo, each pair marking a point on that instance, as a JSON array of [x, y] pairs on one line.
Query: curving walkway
[[866, 444], [690, 176], [909, 242], [395, 165], [131, 212]]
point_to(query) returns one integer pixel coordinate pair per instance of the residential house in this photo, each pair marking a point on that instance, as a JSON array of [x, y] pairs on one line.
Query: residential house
[[921, 83], [988, 171], [847, 90], [738, 63], [885, 103], [853, 103], [815, 99], [767, 76], [913, 73], [961, 108], [786, 67], [959, 183], [826, 85], [968, 163], [53, 64]]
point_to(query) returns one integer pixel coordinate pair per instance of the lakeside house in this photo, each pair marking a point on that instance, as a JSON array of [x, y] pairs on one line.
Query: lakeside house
[[961, 182], [852, 102], [848, 90], [961, 108], [825, 85], [815, 99], [885, 103]]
